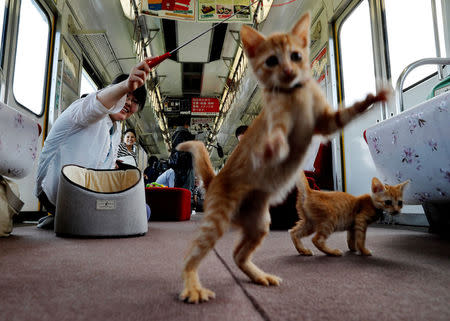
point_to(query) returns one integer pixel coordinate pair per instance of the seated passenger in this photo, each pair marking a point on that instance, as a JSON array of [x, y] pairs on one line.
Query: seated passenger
[[198, 196], [167, 178], [240, 131], [151, 172], [88, 134], [127, 150]]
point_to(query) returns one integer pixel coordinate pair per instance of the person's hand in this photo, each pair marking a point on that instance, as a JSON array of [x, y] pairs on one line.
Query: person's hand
[[138, 75]]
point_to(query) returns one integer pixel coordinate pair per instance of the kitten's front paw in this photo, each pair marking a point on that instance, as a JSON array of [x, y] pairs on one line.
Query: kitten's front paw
[[306, 252], [196, 295], [268, 279], [365, 252], [382, 96]]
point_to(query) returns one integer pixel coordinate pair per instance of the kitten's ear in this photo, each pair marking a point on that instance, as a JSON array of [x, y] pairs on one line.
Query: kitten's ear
[[377, 186], [250, 39], [402, 185], [301, 29]]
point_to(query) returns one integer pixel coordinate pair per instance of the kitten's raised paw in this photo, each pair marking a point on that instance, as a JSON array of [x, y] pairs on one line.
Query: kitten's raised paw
[[196, 295], [268, 279]]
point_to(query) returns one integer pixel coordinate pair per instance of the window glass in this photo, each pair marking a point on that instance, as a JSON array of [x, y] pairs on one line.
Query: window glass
[[355, 39], [87, 84], [31, 57], [410, 37], [2, 22]]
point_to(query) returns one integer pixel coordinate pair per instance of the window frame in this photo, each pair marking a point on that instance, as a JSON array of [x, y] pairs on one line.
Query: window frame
[[50, 44], [436, 38], [4, 31]]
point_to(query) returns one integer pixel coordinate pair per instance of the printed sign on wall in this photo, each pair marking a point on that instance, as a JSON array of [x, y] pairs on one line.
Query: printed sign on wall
[[170, 9], [200, 10], [205, 106], [319, 64], [210, 10], [202, 126]]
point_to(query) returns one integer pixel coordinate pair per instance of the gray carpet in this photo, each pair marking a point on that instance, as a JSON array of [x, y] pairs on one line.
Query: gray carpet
[[44, 277]]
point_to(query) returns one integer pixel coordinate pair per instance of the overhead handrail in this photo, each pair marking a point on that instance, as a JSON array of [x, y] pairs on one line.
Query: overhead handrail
[[401, 79]]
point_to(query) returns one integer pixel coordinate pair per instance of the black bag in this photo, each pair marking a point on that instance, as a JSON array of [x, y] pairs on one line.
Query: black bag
[[180, 160]]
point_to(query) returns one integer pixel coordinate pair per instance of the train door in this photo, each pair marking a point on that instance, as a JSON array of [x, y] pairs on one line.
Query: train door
[[28, 33], [376, 40]]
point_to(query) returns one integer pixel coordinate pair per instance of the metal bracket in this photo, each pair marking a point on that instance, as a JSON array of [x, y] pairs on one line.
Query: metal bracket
[[228, 61], [236, 36]]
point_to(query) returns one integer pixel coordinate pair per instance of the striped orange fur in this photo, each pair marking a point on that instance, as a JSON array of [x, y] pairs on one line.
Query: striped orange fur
[[326, 212], [262, 169]]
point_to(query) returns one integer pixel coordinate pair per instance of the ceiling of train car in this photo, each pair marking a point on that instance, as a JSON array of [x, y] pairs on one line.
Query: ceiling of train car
[[198, 70]]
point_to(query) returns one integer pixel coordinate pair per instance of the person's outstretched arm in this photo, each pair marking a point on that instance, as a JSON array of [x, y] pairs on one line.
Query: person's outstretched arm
[[110, 95]]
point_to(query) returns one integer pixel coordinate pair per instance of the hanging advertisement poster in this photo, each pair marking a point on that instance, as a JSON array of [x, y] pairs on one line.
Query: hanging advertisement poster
[[170, 9], [210, 10], [204, 106], [201, 127], [319, 65], [171, 107]]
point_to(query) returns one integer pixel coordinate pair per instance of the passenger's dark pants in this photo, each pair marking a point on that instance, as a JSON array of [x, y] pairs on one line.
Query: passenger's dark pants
[[47, 204]]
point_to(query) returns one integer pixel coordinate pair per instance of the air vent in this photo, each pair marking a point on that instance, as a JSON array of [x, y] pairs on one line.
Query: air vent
[[192, 78], [98, 50], [217, 41], [170, 36]]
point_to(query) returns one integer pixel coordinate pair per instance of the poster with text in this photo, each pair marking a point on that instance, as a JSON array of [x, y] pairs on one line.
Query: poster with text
[[319, 65], [170, 9], [201, 127], [210, 10], [205, 106]]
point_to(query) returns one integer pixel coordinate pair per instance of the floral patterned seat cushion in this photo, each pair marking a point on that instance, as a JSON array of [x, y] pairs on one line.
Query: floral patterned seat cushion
[[415, 145]]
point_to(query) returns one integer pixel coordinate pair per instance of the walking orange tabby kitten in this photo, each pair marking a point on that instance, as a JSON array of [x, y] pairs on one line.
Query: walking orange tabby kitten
[[262, 168], [326, 212]]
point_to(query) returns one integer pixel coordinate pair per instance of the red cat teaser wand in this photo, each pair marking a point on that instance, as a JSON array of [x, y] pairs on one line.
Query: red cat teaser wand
[[159, 59]]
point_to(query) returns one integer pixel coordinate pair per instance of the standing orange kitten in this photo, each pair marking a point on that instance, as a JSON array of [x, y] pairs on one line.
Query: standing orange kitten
[[326, 212], [262, 168]]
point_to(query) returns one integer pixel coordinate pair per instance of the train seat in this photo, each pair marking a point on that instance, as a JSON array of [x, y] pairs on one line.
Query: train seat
[[414, 145], [169, 204], [100, 202], [19, 138]]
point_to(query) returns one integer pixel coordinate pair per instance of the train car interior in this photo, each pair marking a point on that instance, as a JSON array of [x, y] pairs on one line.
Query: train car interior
[[123, 232]]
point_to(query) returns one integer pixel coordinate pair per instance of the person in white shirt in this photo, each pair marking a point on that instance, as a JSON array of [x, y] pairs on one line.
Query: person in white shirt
[[88, 134]]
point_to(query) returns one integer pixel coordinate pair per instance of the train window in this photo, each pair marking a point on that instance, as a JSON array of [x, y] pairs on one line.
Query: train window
[[410, 37], [31, 56], [87, 84], [355, 41]]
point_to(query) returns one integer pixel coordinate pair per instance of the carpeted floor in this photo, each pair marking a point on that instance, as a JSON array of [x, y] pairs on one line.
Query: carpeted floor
[[44, 277]]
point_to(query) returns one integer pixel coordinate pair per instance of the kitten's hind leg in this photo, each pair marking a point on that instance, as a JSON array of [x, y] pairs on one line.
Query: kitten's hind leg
[[254, 221], [211, 229], [319, 241], [242, 257], [301, 229]]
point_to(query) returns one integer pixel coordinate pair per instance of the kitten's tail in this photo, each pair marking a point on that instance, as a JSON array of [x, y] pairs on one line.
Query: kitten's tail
[[202, 163], [303, 186]]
